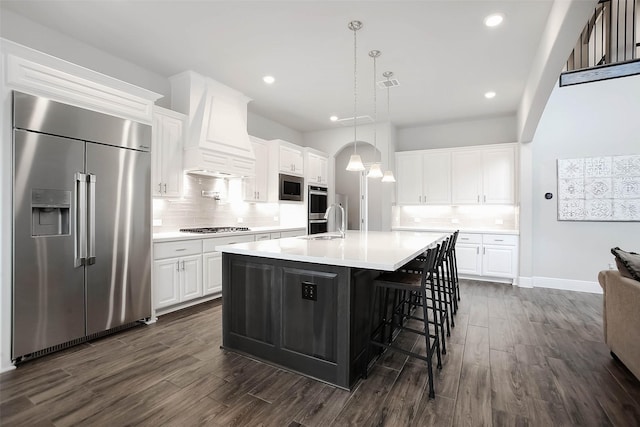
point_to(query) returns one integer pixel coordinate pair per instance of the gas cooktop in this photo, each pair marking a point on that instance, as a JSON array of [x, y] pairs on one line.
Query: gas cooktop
[[213, 229]]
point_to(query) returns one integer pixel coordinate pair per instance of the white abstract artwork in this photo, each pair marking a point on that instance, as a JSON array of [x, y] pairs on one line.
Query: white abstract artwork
[[599, 189]]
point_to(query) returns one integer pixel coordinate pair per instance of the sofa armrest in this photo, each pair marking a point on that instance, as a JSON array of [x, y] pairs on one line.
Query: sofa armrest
[[621, 317]]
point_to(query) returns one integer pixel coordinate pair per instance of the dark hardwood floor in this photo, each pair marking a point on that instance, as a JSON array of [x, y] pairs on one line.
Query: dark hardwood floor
[[516, 357]]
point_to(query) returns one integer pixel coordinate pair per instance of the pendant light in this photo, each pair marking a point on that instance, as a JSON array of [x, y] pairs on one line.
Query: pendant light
[[388, 174], [374, 170], [355, 162]]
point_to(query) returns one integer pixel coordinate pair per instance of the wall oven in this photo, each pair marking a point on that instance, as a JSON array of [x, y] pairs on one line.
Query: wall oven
[[317, 206]]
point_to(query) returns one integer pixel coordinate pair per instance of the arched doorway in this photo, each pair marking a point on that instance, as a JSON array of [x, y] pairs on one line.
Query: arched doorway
[[361, 197]]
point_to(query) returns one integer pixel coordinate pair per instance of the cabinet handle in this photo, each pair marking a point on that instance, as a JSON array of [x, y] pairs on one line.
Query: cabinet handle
[[177, 265], [258, 195], [181, 249], [419, 199], [499, 240], [478, 198], [160, 188], [165, 189], [484, 198], [182, 265], [484, 251]]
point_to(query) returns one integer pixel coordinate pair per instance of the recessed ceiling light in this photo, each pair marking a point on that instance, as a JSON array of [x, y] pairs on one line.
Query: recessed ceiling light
[[268, 79], [333, 118], [490, 94], [493, 20]]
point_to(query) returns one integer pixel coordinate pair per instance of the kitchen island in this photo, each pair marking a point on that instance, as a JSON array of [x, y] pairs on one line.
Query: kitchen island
[[303, 302]]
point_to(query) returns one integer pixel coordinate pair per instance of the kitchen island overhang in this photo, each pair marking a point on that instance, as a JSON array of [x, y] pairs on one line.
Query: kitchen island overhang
[[304, 303]]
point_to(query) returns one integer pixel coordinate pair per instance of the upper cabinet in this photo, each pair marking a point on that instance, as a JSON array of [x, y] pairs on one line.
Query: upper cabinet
[[166, 152], [478, 175], [255, 188], [287, 157], [484, 176], [317, 170], [424, 177]]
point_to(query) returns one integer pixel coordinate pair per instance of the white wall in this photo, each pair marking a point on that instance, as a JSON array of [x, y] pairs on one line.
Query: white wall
[[594, 119], [268, 129], [492, 130]]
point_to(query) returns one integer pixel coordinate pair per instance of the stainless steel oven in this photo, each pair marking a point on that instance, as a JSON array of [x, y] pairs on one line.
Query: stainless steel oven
[[317, 206]]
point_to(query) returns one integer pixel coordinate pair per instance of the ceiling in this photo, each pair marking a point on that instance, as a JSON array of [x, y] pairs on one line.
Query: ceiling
[[442, 54]]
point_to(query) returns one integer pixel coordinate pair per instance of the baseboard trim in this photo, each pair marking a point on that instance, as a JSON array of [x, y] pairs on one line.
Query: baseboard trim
[[7, 369], [525, 282], [567, 285]]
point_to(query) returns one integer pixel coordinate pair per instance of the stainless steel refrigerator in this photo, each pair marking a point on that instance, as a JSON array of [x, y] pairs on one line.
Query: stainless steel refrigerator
[[81, 224]]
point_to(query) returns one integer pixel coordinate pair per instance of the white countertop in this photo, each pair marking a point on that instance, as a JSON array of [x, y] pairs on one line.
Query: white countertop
[[178, 235], [375, 250], [462, 230]]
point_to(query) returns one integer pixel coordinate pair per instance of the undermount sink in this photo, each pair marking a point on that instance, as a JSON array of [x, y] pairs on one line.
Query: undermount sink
[[322, 237]]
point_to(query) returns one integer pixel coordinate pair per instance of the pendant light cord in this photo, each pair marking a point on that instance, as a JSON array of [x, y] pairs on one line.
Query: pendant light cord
[[355, 90]]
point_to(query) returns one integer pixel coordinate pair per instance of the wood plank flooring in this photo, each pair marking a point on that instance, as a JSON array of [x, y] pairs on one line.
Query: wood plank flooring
[[515, 357]]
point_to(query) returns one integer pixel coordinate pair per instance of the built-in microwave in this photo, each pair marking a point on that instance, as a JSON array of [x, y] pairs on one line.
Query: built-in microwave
[[291, 188]]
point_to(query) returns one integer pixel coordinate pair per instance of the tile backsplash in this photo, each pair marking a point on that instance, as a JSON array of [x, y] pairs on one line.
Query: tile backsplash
[[498, 217], [194, 210]]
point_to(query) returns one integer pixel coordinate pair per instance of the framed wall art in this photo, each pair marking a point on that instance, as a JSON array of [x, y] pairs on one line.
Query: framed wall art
[[599, 188]]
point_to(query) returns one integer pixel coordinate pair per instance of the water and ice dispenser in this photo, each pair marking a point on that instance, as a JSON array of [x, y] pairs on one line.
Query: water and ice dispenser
[[50, 212]]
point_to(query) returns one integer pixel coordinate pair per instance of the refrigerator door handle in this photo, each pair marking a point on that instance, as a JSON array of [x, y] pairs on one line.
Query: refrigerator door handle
[[81, 220], [91, 258]]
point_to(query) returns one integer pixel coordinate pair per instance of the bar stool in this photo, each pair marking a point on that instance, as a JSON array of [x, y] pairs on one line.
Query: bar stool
[[440, 303], [408, 283]]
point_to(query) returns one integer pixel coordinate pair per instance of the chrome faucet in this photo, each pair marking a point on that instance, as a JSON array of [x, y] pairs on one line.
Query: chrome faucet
[[342, 228]]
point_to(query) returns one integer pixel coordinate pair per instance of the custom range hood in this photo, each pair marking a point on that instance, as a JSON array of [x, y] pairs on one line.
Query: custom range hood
[[217, 143]]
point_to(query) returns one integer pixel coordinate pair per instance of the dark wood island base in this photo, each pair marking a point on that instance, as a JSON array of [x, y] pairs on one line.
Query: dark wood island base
[[306, 317]]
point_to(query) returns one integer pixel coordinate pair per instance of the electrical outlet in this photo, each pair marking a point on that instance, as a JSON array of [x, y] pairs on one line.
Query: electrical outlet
[[309, 291]]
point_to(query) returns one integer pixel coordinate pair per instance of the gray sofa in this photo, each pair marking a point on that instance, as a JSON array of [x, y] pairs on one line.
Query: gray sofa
[[622, 317]]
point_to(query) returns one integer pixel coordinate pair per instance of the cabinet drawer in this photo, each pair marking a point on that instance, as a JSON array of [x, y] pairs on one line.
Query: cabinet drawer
[[209, 245], [469, 238], [500, 239], [177, 249]]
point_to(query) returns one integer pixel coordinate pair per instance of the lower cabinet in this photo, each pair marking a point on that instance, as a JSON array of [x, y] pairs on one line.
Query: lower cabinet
[[177, 270], [491, 255], [190, 269], [212, 263]]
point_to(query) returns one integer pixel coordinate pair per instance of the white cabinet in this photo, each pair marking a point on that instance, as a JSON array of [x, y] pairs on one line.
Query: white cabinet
[[177, 271], [499, 255], [484, 176], [292, 233], [212, 265], [468, 254], [424, 177], [491, 255], [317, 170], [166, 152], [255, 188], [288, 158]]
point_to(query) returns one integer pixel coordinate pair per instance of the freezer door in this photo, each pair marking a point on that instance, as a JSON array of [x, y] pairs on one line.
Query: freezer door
[[118, 236], [48, 278]]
